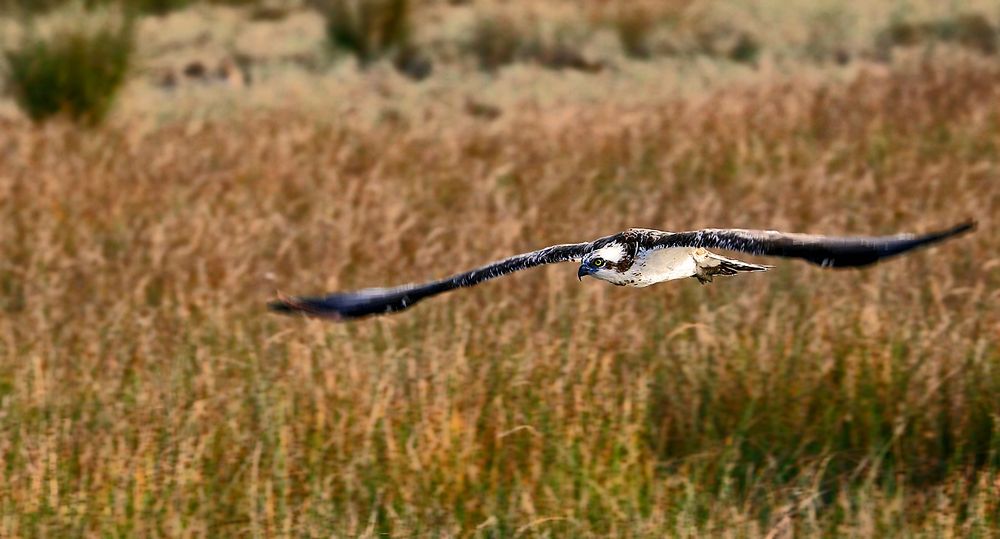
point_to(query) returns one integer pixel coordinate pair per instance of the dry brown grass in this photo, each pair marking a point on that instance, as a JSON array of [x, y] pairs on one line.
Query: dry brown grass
[[145, 391]]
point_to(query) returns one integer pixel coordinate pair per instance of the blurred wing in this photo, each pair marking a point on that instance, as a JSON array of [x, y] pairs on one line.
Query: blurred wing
[[373, 301], [826, 251]]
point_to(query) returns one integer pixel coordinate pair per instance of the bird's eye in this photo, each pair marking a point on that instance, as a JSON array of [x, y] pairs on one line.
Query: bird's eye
[[598, 262]]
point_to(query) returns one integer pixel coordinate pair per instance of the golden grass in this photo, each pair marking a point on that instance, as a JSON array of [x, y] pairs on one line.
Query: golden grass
[[145, 391]]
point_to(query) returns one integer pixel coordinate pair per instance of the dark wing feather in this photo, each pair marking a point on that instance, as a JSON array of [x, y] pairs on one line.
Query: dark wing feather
[[373, 301], [826, 251]]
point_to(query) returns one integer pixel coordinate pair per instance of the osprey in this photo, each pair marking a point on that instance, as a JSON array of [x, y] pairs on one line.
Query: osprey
[[636, 257]]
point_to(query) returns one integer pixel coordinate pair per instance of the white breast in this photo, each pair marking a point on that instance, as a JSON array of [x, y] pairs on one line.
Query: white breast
[[655, 266]]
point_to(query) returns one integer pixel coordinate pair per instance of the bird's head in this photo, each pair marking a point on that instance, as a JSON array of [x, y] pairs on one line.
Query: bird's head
[[607, 263]]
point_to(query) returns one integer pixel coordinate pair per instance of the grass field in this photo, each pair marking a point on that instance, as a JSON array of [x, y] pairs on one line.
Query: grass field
[[145, 390]]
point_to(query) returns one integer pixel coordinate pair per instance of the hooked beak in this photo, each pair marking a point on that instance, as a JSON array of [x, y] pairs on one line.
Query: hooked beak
[[583, 271]]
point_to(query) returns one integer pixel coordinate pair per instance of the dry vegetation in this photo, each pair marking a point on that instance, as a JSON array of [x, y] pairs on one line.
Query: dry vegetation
[[145, 391]]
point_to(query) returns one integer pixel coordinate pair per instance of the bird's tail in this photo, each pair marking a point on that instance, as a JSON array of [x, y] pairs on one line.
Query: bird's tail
[[712, 264]]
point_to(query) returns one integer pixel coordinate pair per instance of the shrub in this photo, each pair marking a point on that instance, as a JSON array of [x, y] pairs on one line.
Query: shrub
[[635, 22], [74, 71], [236, 3], [970, 30], [155, 7], [411, 62], [499, 40], [726, 41], [29, 6], [975, 32], [34, 7], [269, 12], [496, 41], [633, 27], [370, 29], [561, 49], [829, 36], [745, 50]]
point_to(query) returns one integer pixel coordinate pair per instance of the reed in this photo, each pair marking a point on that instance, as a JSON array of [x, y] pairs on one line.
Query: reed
[[144, 390]]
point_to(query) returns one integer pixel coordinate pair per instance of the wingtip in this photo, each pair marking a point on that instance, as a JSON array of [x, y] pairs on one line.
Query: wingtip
[[284, 304], [292, 306], [968, 226], [959, 229], [281, 307], [277, 306]]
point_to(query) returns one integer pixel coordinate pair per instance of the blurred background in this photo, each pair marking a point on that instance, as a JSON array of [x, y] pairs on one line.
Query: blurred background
[[166, 166]]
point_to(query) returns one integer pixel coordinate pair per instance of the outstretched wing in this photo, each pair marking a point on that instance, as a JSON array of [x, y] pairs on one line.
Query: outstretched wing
[[372, 301], [826, 251]]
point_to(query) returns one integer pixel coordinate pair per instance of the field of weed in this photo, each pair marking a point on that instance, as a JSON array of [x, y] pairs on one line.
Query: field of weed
[[146, 391]]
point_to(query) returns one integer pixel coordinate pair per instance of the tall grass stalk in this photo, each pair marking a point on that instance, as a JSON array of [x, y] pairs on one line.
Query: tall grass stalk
[[369, 29], [144, 390]]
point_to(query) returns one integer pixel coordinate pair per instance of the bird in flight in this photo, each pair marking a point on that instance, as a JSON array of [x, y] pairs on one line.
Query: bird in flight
[[636, 257]]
